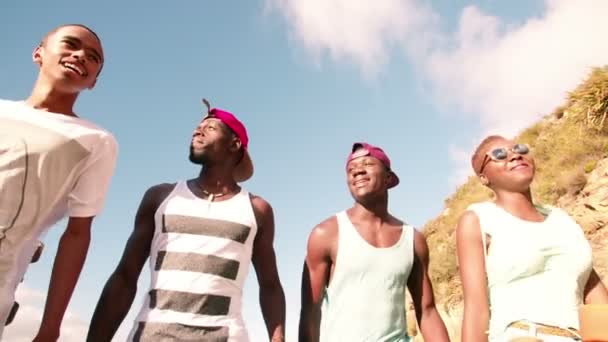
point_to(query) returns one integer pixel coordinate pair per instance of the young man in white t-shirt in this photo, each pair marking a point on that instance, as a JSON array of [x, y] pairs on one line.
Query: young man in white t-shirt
[[53, 164]]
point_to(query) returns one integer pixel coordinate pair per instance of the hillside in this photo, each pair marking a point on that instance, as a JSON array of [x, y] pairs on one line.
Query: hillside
[[570, 147]]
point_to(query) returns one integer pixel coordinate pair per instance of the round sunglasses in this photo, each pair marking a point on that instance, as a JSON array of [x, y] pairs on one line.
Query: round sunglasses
[[501, 153]]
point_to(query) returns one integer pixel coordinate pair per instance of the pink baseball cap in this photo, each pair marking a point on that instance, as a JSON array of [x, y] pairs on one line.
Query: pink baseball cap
[[362, 149], [244, 170]]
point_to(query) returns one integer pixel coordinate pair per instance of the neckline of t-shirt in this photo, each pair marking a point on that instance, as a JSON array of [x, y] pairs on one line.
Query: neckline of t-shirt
[[396, 245], [50, 114], [540, 208], [206, 200]]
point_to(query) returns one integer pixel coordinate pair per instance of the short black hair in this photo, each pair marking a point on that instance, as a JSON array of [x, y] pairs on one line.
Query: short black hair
[[51, 32]]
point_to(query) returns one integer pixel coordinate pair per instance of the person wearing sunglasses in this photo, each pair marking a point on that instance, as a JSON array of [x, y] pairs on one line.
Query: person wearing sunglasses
[[525, 267]]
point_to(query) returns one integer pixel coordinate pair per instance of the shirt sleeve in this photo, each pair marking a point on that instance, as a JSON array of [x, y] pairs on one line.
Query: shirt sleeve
[[88, 195]]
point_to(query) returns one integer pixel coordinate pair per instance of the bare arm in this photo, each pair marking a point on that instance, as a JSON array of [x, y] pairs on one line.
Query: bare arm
[[421, 289], [470, 251], [70, 257], [121, 287], [595, 290], [272, 297], [315, 277]]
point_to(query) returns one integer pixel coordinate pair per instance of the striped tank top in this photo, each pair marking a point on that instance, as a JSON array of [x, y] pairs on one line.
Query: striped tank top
[[365, 300], [199, 260]]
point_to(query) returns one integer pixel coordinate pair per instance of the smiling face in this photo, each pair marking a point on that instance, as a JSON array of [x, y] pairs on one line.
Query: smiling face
[[70, 59], [367, 177], [503, 164]]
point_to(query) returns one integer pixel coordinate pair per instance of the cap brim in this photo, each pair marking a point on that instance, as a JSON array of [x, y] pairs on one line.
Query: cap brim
[[244, 170], [394, 180]]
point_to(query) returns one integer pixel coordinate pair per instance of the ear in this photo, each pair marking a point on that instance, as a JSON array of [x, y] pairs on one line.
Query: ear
[[236, 144], [37, 55], [484, 180], [93, 84], [389, 177]]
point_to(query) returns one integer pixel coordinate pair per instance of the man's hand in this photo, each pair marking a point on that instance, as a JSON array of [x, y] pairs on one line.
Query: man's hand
[[421, 289]]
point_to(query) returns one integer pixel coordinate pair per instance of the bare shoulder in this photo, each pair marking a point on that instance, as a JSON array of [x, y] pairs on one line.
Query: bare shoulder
[[264, 215], [421, 248], [156, 194], [327, 227], [161, 189], [468, 227], [324, 233], [261, 207], [322, 241], [419, 236]]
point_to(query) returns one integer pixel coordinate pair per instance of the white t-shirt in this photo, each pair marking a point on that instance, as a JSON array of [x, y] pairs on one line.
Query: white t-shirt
[[51, 166]]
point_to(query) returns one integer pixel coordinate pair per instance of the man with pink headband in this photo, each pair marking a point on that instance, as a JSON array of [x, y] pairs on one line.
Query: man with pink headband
[[201, 235], [360, 261]]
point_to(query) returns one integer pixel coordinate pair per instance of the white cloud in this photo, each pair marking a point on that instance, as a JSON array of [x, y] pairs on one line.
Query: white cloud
[[358, 31], [461, 161], [510, 77], [502, 75], [24, 326], [74, 327]]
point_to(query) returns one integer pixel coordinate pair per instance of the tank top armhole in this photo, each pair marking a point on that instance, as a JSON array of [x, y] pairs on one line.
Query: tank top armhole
[[411, 232], [480, 210], [342, 246], [342, 221], [342, 218], [544, 209], [179, 186], [248, 196]]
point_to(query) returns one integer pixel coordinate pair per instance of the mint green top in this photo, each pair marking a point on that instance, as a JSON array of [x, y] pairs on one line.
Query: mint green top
[[365, 300], [536, 271]]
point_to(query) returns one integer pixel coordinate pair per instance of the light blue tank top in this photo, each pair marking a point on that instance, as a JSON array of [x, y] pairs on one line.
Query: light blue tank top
[[365, 300]]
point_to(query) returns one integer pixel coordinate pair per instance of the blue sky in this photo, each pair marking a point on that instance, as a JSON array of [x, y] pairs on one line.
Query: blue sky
[[304, 96]]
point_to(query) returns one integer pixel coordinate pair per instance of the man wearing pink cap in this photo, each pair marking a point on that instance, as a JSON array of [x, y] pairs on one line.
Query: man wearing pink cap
[[201, 235], [360, 261]]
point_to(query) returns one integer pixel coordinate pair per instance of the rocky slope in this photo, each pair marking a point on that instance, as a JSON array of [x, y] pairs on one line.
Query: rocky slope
[[570, 147]]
